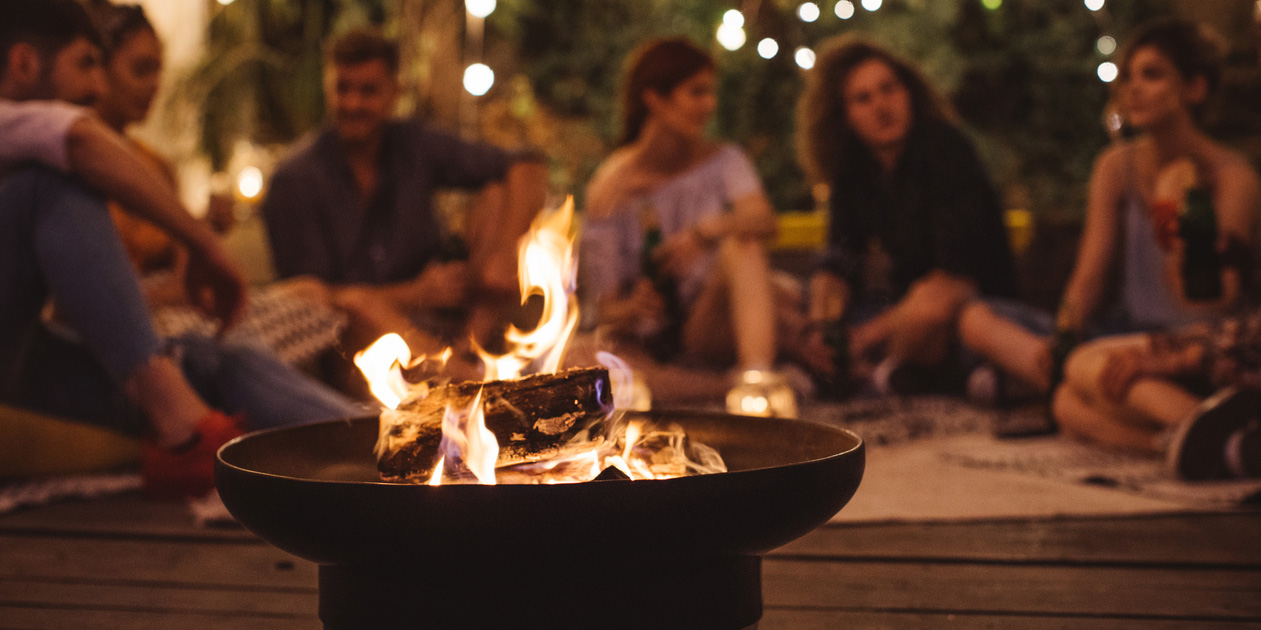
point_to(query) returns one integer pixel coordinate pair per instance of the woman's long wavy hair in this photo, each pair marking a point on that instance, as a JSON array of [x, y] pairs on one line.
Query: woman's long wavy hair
[[659, 65], [824, 136]]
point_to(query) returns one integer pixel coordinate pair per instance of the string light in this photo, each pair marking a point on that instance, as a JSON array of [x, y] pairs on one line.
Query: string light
[[845, 9], [804, 57], [250, 182], [478, 79], [1094, 5], [730, 36], [808, 12], [734, 18], [1107, 72], [872, 5], [992, 5], [1106, 45], [479, 8], [225, 2], [767, 48]]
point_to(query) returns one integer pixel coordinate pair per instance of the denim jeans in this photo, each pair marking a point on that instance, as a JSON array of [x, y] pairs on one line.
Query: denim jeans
[[57, 239]]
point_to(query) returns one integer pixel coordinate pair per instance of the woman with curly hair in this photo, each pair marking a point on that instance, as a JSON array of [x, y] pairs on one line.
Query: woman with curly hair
[[916, 226]]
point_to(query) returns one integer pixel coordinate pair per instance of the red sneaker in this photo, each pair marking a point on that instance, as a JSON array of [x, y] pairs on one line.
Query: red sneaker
[[169, 474]]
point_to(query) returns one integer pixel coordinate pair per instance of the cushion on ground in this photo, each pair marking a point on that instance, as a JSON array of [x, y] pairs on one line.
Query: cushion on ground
[[33, 444]]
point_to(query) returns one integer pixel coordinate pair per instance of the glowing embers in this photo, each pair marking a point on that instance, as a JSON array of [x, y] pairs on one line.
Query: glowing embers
[[643, 451], [528, 422]]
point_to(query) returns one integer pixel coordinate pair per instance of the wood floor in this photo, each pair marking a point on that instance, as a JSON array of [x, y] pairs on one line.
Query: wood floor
[[128, 563]]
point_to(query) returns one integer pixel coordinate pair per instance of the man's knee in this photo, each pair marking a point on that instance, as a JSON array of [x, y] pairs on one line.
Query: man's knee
[[32, 188]]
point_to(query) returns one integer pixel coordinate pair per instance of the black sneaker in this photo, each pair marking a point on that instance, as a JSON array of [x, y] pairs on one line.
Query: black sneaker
[[1208, 444]]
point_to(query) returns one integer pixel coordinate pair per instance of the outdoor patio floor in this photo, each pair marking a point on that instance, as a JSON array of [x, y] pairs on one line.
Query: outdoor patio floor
[[126, 563]]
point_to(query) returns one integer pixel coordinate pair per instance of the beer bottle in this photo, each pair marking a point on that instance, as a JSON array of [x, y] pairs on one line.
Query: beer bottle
[[661, 338], [1201, 265], [839, 384]]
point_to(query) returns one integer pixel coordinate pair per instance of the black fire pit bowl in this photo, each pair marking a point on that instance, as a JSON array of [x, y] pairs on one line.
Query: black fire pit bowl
[[676, 553]]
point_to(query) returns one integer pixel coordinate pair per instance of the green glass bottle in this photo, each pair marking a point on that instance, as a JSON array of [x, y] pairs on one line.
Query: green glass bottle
[[663, 338], [838, 385], [1202, 264]]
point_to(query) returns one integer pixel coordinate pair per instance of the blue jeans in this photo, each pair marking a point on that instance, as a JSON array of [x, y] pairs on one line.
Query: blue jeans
[[57, 239]]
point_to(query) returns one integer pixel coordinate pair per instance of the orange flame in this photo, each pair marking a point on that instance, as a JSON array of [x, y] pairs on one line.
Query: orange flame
[[381, 363], [466, 439], [548, 268]]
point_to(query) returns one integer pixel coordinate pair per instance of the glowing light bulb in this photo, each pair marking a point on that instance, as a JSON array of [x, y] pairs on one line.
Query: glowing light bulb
[[992, 5], [1094, 5], [225, 2], [804, 57], [845, 9], [1107, 72], [872, 5], [734, 18], [808, 12], [250, 182], [478, 78], [767, 48], [731, 37], [480, 8], [1106, 45]]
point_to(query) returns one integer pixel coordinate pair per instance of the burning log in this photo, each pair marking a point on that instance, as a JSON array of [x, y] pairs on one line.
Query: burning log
[[533, 418]]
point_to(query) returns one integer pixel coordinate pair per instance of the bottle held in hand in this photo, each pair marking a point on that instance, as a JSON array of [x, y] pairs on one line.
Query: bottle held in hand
[[661, 337], [839, 385], [1201, 263]]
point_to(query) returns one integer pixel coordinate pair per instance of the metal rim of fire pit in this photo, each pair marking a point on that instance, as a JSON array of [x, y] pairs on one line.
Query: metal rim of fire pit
[[309, 490]]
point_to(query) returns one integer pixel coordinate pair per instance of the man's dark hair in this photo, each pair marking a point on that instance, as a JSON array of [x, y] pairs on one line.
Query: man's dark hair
[[48, 25], [362, 45]]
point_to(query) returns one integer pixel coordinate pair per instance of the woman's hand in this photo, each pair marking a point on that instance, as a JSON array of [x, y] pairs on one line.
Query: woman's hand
[[677, 255], [215, 287], [828, 297], [627, 315], [442, 285], [1121, 368]]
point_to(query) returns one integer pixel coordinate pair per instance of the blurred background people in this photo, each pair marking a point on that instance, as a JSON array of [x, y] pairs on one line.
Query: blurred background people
[[916, 225], [673, 254], [1134, 245], [352, 207], [1144, 393], [61, 244]]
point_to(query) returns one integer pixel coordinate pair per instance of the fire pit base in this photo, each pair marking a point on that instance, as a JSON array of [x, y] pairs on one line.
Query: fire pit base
[[722, 593]]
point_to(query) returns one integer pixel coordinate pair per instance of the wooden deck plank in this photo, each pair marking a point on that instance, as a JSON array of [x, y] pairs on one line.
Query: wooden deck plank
[[1200, 539], [28, 618], [789, 619], [127, 515], [1209, 539], [249, 564], [996, 589], [157, 598]]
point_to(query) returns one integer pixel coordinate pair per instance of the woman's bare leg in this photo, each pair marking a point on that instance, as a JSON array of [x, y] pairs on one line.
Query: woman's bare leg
[[1087, 420], [923, 324], [1010, 346], [1150, 406], [735, 308]]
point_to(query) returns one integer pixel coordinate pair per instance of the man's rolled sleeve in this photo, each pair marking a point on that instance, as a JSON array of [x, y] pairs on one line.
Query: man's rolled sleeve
[[474, 164], [36, 131]]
